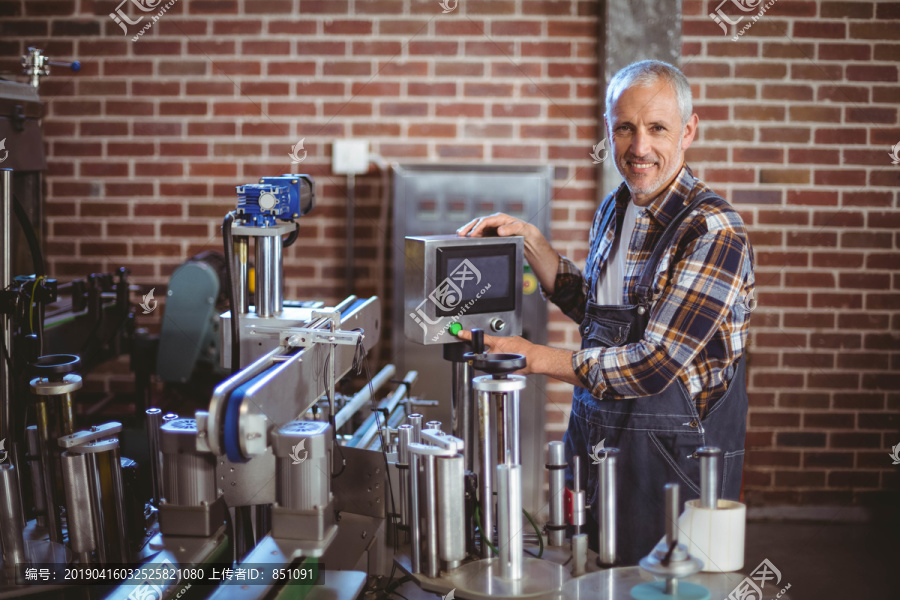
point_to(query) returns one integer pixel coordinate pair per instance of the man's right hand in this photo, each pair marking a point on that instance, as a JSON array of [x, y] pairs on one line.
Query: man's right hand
[[543, 259]]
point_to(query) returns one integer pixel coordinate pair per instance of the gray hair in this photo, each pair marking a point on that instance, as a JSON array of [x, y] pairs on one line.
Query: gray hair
[[646, 73]]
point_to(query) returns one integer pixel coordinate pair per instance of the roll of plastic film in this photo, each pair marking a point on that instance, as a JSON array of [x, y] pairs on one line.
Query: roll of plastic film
[[715, 536]]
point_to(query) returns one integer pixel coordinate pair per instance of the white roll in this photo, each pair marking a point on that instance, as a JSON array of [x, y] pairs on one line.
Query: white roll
[[714, 536]]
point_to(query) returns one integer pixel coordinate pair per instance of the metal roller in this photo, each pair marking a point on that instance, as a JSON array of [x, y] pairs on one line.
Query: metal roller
[[154, 422], [415, 420], [451, 510], [404, 433], [11, 523], [267, 272], [709, 476], [33, 443], [77, 483], [606, 497], [241, 274], [509, 521], [556, 463], [432, 567]]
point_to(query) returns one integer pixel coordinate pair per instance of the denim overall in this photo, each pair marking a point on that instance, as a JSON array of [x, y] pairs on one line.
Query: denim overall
[[657, 435]]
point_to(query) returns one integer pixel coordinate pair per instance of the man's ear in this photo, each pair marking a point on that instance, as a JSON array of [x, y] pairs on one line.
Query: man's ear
[[690, 131]]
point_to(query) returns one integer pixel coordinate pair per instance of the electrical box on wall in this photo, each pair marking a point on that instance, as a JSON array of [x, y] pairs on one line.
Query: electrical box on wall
[[350, 157]]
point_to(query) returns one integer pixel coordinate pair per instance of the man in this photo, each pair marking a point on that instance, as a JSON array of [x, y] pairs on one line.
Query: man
[[660, 372]]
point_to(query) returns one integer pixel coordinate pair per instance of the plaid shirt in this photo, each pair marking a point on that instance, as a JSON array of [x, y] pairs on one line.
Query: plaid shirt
[[698, 322]]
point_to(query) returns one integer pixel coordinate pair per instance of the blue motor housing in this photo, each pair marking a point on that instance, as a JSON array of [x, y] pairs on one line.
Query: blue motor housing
[[283, 198]]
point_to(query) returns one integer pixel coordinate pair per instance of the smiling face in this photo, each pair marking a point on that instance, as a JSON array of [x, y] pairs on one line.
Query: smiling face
[[648, 140]]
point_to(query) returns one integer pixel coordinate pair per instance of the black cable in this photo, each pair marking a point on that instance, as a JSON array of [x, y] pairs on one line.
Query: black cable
[[34, 246], [292, 237], [229, 277]]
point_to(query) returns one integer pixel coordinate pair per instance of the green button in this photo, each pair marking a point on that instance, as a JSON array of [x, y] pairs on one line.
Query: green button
[[455, 328]]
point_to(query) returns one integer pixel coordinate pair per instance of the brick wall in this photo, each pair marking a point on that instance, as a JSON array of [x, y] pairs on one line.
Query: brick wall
[[797, 118]]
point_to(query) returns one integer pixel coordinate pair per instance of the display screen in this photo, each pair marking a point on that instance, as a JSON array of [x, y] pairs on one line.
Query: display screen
[[475, 280]]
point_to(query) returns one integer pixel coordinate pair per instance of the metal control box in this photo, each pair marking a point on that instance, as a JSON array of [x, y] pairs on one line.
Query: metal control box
[[476, 282]]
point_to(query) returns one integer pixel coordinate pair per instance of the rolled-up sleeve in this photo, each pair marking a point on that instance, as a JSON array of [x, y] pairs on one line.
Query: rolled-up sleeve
[[569, 290], [704, 286]]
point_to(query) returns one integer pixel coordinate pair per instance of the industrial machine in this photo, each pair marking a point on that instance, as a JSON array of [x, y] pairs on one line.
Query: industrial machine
[[283, 487]]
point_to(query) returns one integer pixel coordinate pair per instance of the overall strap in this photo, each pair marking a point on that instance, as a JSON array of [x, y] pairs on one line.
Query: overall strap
[[643, 289]]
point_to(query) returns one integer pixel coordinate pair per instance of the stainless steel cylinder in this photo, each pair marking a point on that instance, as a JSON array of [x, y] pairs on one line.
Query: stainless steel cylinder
[[32, 440], [241, 274], [486, 437], [154, 422], [709, 476], [462, 410], [77, 483], [303, 451], [414, 533], [606, 497], [405, 432], [415, 420], [509, 520], [266, 276], [6, 279], [578, 501], [117, 491], [433, 567], [169, 417], [672, 512], [277, 276], [189, 477], [579, 554], [12, 520], [451, 510], [433, 425], [96, 506], [509, 403], [556, 463]]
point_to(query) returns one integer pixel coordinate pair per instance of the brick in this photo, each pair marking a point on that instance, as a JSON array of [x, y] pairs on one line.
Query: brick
[[803, 400], [874, 31], [774, 419], [839, 341], [853, 10], [796, 135], [817, 71], [853, 239], [843, 93], [800, 439], [844, 52], [786, 92], [855, 440], [868, 360]]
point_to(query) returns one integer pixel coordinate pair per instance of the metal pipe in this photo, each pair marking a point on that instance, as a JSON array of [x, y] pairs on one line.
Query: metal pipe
[[431, 518], [96, 502], [265, 274], [241, 275], [671, 514], [415, 420], [578, 501], [414, 533], [451, 510], [277, 276], [154, 422], [512, 453], [404, 433], [509, 520], [33, 444], [364, 396], [606, 497], [556, 524], [433, 425], [118, 498], [6, 279], [485, 489], [709, 476], [48, 460], [78, 499], [11, 518], [462, 411]]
